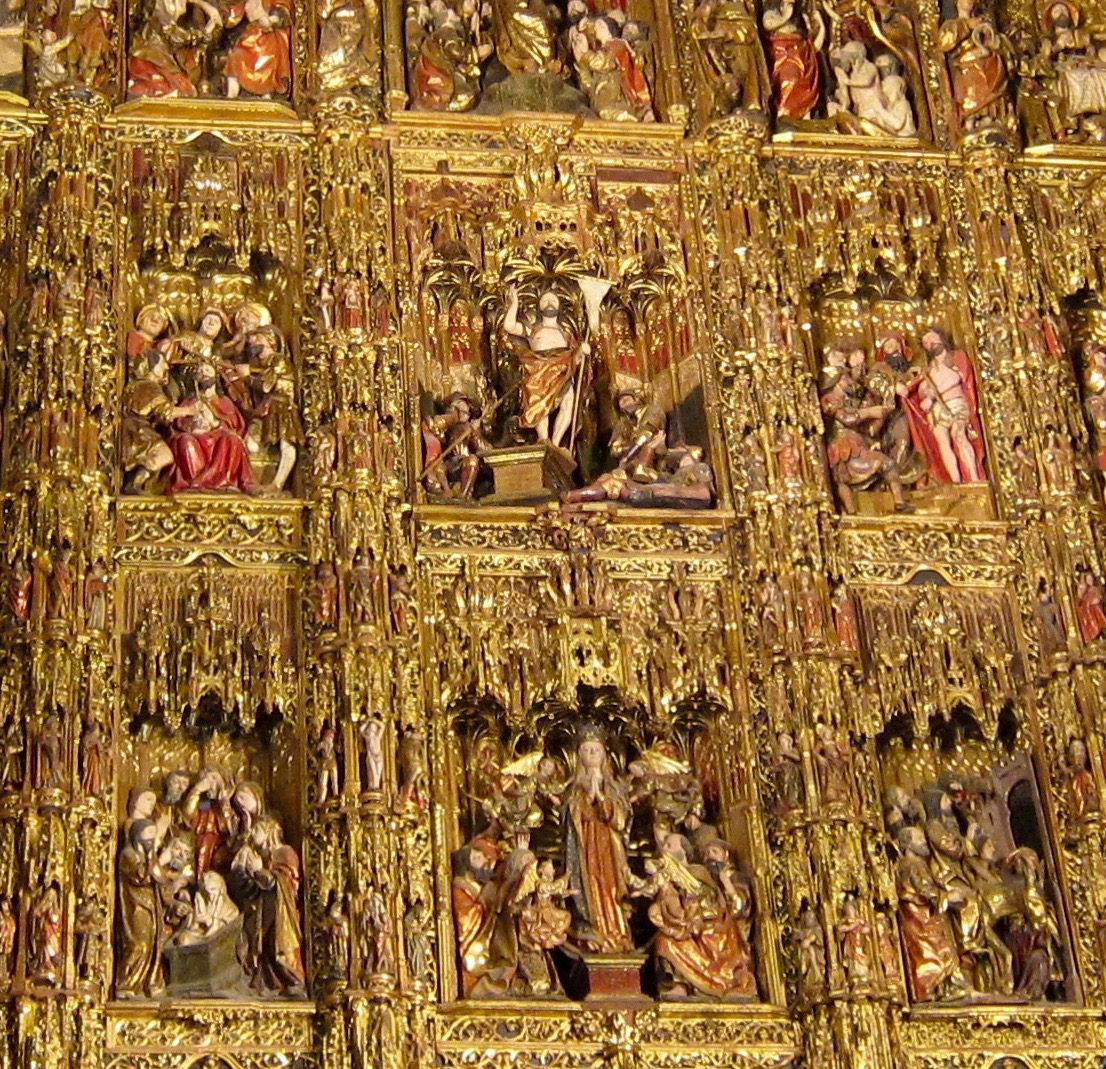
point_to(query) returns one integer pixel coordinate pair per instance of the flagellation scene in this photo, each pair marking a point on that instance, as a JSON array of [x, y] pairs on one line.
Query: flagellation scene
[[552, 534]]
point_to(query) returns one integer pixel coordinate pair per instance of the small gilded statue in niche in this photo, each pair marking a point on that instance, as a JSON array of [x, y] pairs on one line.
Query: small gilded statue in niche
[[210, 408], [595, 859], [204, 48], [976, 903], [731, 72], [1094, 397], [978, 57], [900, 424], [209, 895], [1082, 788], [343, 62]]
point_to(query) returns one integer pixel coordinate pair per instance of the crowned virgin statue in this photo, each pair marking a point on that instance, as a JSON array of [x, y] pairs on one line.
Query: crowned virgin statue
[[596, 821]]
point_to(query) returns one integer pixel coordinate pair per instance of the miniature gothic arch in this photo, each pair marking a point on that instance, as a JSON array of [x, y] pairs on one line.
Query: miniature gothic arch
[[586, 833]]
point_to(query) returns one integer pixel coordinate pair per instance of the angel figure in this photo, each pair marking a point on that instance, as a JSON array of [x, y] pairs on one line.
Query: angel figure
[[513, 808], [669, 785], [543, 925]]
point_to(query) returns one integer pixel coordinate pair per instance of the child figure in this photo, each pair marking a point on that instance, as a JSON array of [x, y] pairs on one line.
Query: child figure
[[543, 925]]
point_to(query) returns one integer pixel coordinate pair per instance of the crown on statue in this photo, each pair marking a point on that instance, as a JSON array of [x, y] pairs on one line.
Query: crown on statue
[[590, 729]]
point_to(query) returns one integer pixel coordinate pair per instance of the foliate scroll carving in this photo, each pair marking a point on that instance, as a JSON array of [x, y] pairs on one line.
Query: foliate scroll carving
[[894, 553], [198, 1028], [153, 529]]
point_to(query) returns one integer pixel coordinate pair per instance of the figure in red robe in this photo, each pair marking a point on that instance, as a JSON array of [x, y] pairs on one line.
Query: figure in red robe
[[260, 60], [793, 60], [208, 446], [1092, 608]]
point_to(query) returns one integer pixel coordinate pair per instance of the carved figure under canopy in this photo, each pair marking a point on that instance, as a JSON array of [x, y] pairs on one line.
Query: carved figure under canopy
[[548, 356], [610, 70], [574, 858], [729, 60], [598, 810], [977, 55], [208, 409], [896, 423], [977, 921], [793, 50], [870, 95], [447, 41], [259, 61], [190, 48], [208, 886], [698, 937], [1072, 63], [265, 874], [1094, 396], [343, 62]]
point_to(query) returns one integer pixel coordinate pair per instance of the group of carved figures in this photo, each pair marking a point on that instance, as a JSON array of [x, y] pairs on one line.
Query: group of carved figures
[[858, 72], [645, 466], [47, 590], [894, 423], [974, 923], [464, 54], [188, 48], [1051, 82], [212, 408], [209, 893], [41, 764], [553, 877]]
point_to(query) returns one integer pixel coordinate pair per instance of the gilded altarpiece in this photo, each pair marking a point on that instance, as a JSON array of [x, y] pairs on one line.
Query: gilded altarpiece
[[552, 533]]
